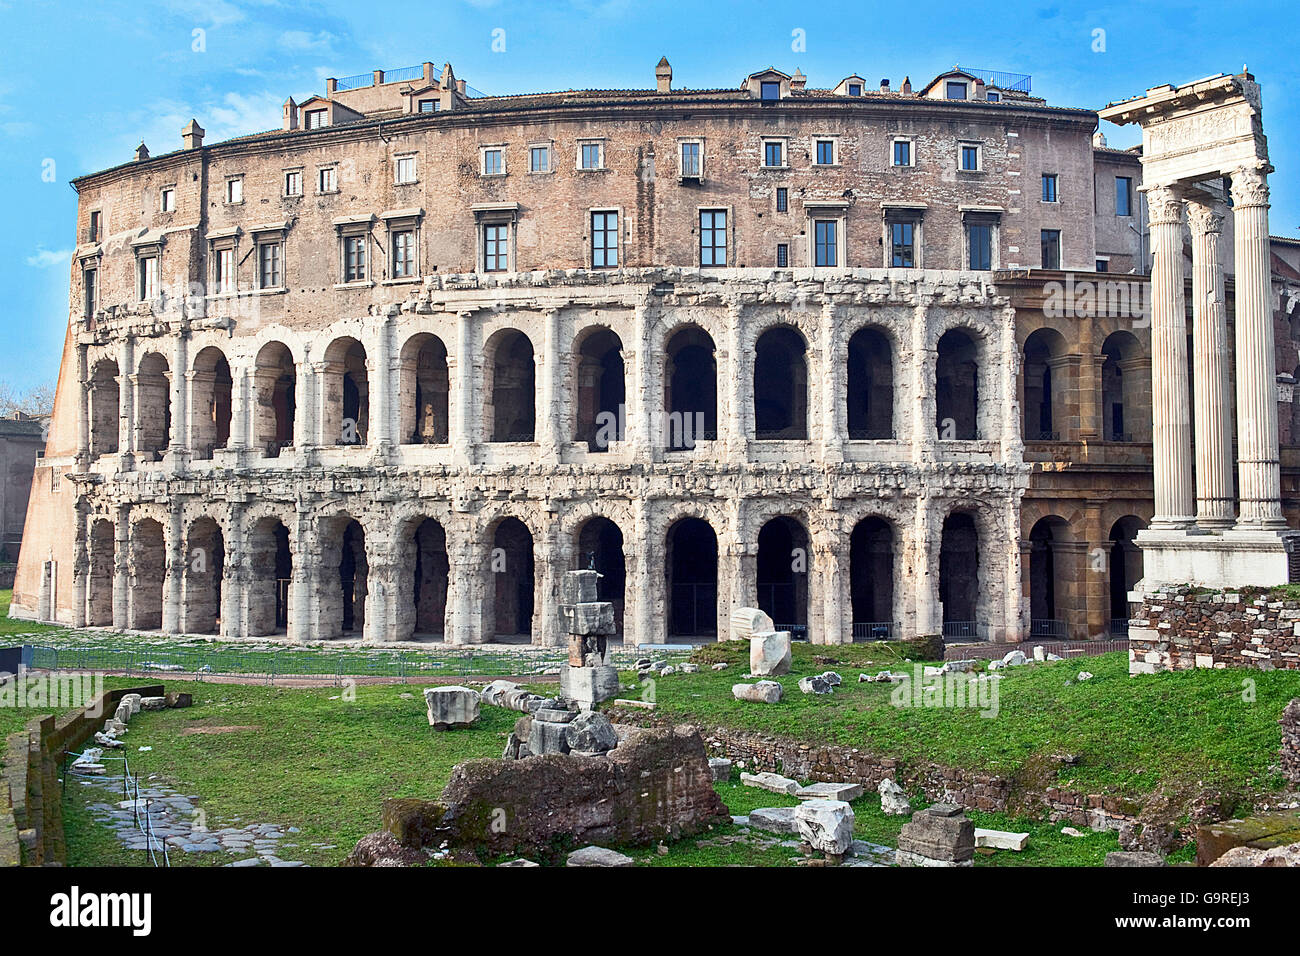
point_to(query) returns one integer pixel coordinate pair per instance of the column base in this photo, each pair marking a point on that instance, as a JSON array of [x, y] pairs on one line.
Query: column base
[[1233, 558]]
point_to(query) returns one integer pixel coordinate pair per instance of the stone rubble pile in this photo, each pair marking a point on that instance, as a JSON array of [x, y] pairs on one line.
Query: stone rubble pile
[[939, 835]]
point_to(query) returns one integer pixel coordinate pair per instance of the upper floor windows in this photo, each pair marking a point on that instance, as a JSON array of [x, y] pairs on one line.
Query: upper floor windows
[[354, 258], [167, 199], [429, 106], [691, 156], [782, 199], [147, 276], [826, 242], [993, 97], [1123, 196], [1049, 187], [270, 265], [404, 170], [403, 253], [902, 244], [328, 179], [591, 155], [782, 255], [604, 239], [95, 226], [1050, 242], [235, 190], [90, 292], [979, 243], [316, 119], [223, 269], [713, 237], [954, 90], [493, 161], [769, 90], [855, 89], [970, 157], [539, 159], [774, 153], [496, 247], [293, 182], [824, 152], [902, 152]]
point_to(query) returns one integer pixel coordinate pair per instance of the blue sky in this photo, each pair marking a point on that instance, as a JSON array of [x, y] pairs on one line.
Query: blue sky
[[84, 82]]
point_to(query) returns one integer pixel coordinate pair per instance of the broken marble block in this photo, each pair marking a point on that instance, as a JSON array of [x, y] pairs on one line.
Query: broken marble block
[[579, 587], [764, 692], [588, 685], [770, 781], [940, 835], [590, 733], [774, 819], [1000, 839], [153, 703], [893, 799], [825, 825], [748, 621], [597, 856], [451, 706], [720, 769], [132, 701], [769, 654], [592, 617], [830, 791], [547, 731], [814, 685]]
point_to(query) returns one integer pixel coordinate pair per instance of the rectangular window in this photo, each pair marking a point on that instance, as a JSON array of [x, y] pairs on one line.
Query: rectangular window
[[589, 157], [354, 258], [979, 237], [826, 246], [855, 89], [970, 157], [404, 254], [691, 160], [293, 183], [1103, 265], [405, 168], [1049, 187], [148, 278], [782, 255], [234, 190], [90, 285], [902, 152], [329, 180], [774, 153], [317, 119], [902, 237], [955, 91], [1051, 246], [769, 90], [223, 271], [825, 152], [604, 240], [496, 250], [713, 237], [539, 159], [168, 200], [268, 266], [1123, 196], [493, 162], [429, 106], [92, 230], [782, 199]]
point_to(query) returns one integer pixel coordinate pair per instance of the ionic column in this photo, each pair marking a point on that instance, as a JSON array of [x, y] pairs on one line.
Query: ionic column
[[122, 568], [241, 410], [174, 574], [1214, 501], [463, 438], [1171, 428], [381, 396], [126, 396], [304, 417], [179, 439], [1257, 444], [738, 431], [83, 408], [320, 402], [552, 417], [645, 404], [832, 390]]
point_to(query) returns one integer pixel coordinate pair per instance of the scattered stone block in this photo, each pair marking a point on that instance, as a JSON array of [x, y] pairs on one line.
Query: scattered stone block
[[1133, 858], [590, 733], [548, 736], [589, 685], [769, 654], [770, 781], [1000, 839], [153, 703], [412, 822], [1254, 856], [893, 799], [847, 792], [764, 692], [748, 621], [774, 819], [720, 767], [1264, 831], [579, 587], [598, 856], [940, 835], [814, 685], [825, 825], [519, 862], [1014, 659], [177, 699], [452, 706]]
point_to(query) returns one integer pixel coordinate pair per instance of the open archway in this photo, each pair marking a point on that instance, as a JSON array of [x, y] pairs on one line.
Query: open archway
[[210, 402], [270, 562], [599, 545], [105, 409], [870, 392], [601, 390], [692, 570], [780, 385], [153, 412], [959, 576], [690, 389], [956, 394], [274, 382], [510, 411], [871, 579], [782, 574], [512, 591], [425, 385]]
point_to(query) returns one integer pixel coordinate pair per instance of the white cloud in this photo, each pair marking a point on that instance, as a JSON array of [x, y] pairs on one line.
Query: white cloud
[[214, 13], [301, 41], [46, 258]]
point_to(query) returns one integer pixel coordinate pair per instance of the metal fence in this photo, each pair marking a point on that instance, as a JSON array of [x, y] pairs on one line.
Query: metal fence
[[961, 630], [874, 630], [1047, 627]]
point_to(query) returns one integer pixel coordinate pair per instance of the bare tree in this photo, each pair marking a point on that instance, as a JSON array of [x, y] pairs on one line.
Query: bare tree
[[35, 400]]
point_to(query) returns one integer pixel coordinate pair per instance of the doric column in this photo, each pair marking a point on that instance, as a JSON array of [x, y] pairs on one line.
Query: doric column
[[463, 438], [832, 388], [80, 563], [1213, 412], [122, 568], [235, 574], [549, 632], [645, 404], [83, 409], [740, 391], [303, 580], [925, 570], [552, 417], [1257, 443], [126, 396], [381, 396], [464, 573], [1171, 426], [831, 565], [381, 589], [646, 592], [174, 575]]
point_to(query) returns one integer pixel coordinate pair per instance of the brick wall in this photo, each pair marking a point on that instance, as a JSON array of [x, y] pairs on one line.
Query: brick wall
[[1182, 628], [1290, 750]]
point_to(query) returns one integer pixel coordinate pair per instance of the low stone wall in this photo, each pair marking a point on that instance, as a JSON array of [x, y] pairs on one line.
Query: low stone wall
[[1181, 628], [1290, 751], [31, 805]]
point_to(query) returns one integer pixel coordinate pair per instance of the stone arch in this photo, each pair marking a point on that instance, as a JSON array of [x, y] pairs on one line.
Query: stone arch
[[423, 548], [201, 584], [957, 386], [275, 404], [511, 600], [211, 391], [690, 387], [105, 408], [346, 412], [148, 567], [425, 384], [345, 577], [102, 548], [510, 387], [153, 410], [1125, 395], [1125, 569], [869, 392], [959, 575], [1049, 578], [270, 577], [1044, 383], [781, 573], [691, 573], [598, 544], [873, 545], [600, 388], [780, 385]]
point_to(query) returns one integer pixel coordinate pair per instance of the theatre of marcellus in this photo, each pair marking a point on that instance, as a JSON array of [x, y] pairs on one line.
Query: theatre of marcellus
[[877, 358]]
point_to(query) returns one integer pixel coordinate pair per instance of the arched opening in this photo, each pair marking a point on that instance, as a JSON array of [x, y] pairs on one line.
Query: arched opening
[[347, 405], [1043, 378], [959, 576], [153, 412], [353, 575], [99, 584], [780, 385], [430, 571], [601, 391], [692, 566], [1123, 403], [956, 394], [424, 390], [210, 391], [148, 572], [511, 407], [274, 380], [205, 557], [870, 386], [1048, 600], [105, 409], [1295, 409], [782, 574], [1125, 570], [690, 389], [871, 579], [600, 546], [270, 578], [512, 579]]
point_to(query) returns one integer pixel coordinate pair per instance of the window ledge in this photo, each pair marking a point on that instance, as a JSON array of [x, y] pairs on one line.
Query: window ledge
[[409, 182], [404, 280], [359, 284]]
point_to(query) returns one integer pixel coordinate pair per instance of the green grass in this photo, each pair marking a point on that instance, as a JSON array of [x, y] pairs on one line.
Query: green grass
[[1131, 734]]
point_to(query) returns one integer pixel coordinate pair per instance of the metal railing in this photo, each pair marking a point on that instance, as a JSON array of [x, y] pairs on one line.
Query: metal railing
[[1021, 82], [874, 630], [404, 73], [358, 81], [1119, 625], [1047, 627], [967, 630], [798, 632]]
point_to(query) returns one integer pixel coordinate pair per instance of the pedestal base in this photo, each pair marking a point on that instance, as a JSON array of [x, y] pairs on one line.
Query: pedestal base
[[1233, 558], [588, 685]]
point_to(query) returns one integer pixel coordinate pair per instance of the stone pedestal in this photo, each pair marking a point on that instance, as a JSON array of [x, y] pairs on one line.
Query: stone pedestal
[[1234, 558], [588, 685]]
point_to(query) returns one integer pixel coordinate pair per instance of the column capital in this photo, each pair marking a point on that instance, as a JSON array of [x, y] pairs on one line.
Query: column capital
[[1205, 215], [1164, 205], [1250, 186]]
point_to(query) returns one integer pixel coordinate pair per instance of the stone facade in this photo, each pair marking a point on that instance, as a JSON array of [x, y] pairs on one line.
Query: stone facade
[[389, 377], [1181, 628]]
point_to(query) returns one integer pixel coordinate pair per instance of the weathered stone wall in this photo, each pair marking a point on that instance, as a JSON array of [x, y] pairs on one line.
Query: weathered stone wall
[[1290, 750], [1183, 628]]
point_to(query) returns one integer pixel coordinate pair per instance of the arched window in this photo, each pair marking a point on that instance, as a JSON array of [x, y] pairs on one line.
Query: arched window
[[690, 389], [424, 384], [870, 393], [956, 393], [601, 391], [511, 408], [780, 385], [274, 381]]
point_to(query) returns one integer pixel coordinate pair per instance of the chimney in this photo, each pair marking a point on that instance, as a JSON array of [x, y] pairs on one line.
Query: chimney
[[290, 114], [1099, 139], [884, 85], [798, 81], [141, 152], [663, 76], [192, 135], [460, 87], [907, 84]]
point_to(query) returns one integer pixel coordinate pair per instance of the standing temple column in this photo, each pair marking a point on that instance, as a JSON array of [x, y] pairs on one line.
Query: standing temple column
[[1214, 501], [1171, 427], [463, 439], [1257, 443]]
